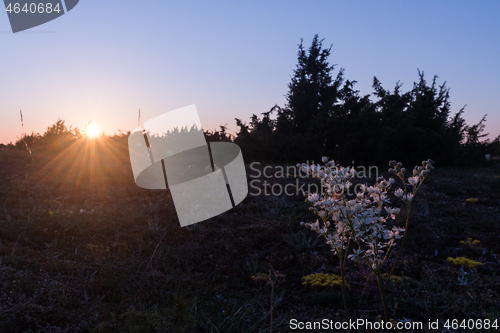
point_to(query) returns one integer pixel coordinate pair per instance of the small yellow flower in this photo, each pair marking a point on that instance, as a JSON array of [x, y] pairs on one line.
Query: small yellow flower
[[394, 278], [461, 261], [322, 280], [470, 242], [51, 213]]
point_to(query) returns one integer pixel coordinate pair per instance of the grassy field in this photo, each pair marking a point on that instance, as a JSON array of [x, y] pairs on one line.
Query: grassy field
[[83, 249]]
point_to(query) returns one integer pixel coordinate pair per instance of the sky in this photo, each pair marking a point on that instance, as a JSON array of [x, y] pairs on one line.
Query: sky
[[105, 60]]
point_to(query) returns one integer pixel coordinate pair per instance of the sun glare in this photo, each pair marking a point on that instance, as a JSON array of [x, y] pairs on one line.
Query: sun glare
[[92, 131]]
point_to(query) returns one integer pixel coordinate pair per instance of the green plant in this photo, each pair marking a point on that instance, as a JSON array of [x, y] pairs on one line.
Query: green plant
[[253, 265], [239, 317], [299, 243], [272, 279], [360, 220]]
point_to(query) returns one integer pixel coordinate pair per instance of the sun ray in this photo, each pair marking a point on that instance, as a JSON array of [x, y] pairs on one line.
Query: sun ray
[[86, 162]]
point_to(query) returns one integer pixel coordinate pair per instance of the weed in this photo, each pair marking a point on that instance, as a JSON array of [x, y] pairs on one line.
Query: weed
[[302, 243]]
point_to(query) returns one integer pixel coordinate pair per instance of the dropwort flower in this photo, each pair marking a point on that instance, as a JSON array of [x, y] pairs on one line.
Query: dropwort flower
[[413, 180], [360, 220]]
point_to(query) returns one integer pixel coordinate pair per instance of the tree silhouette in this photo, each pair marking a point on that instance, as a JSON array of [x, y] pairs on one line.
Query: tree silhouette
[[312, 92], [326, 115]]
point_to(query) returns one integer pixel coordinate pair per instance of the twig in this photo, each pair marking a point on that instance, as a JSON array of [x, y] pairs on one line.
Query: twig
[[15, 244], [23, 136], [154, 252]]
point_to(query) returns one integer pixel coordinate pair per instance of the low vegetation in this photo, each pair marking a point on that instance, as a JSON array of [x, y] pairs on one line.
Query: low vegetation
[[83, 249]]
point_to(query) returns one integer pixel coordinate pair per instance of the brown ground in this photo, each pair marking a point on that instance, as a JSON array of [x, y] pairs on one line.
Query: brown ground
[[85, 250]]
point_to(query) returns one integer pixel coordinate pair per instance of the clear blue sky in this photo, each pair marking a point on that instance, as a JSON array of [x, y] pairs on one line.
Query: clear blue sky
[[104, 60]]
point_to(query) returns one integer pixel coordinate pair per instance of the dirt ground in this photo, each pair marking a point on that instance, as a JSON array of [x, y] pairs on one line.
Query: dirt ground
[[83, 249]]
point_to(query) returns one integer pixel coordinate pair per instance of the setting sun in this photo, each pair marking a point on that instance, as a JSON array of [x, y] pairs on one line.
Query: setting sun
[[92, 131]]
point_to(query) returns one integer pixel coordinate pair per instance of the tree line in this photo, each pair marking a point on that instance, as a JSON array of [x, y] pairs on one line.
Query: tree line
[[326, 116]]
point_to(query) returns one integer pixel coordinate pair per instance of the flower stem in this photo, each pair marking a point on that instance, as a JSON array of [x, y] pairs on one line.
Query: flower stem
[[381, 289], [342, 275], [272, 303], [402, 243]]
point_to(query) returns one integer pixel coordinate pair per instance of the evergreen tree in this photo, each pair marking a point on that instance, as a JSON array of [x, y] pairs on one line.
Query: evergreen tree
[[326, 116], [312, 91]]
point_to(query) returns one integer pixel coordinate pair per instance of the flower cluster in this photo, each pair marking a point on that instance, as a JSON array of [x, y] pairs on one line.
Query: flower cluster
[[419, 174], [464, 262], [470, 242], [322, 280], [361, 219]]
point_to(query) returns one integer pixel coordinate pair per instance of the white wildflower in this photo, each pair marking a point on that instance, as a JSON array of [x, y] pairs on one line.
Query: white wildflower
[[413, 180]]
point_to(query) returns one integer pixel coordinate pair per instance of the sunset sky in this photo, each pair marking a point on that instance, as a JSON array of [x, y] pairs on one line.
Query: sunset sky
[[104, 60]]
